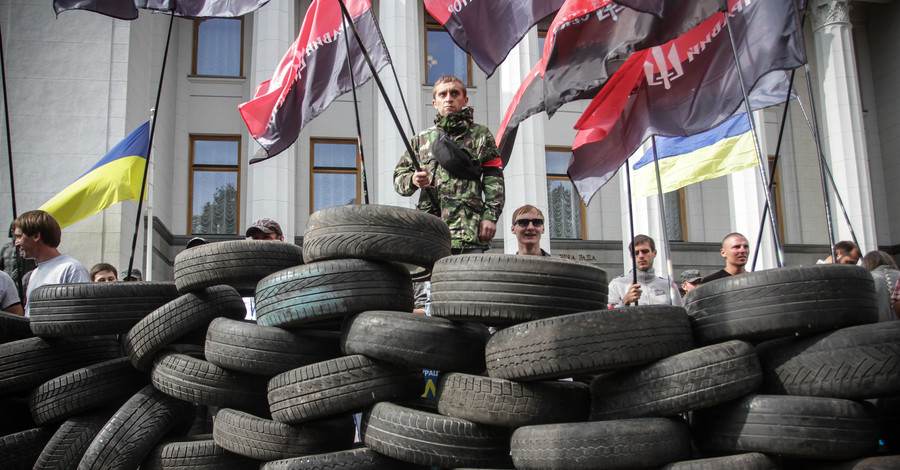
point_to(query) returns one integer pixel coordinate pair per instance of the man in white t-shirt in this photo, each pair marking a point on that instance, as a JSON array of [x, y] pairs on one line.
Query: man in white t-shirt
[[37, 235]]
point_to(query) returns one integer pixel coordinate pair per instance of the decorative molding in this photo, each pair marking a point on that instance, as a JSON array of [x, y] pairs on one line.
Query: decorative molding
[[830, 12]]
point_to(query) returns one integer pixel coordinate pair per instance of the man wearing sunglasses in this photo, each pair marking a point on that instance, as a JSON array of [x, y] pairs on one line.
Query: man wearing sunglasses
[[528, 226], [650, 289]]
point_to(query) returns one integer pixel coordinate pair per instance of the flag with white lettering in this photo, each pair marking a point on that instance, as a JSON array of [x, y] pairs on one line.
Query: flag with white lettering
[[128, 9], [312, 74], [489, 29], [687, 86]]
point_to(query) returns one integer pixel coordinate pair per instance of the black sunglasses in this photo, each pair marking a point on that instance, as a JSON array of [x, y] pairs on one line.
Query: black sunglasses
[[524, 222]]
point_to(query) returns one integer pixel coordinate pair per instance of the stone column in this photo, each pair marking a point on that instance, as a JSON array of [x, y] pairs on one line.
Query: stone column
[[841, 121]]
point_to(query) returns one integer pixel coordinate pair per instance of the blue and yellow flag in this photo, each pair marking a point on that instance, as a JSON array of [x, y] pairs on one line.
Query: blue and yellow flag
[[116, 177], [720, 151]]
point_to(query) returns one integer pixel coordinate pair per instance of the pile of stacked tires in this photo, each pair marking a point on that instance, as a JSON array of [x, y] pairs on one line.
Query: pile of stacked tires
[[776, 369]]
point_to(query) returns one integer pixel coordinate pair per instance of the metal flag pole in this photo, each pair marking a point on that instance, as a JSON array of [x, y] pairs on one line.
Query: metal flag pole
[[12, 179], [137, 218], [660, 200], [359, 140], [631, 223], [409, 149], [779, 249]]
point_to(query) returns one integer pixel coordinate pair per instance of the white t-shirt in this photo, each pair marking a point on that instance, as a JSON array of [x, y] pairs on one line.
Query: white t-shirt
[[63, 269], [8, 294]]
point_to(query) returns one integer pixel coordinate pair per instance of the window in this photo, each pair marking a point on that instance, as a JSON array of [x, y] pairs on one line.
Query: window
[[442, 55], [335, 173], [674, 202], [218, 47], [214, 188], [565, 206]]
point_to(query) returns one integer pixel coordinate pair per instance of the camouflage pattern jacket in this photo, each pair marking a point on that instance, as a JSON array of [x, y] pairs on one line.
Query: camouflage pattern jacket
[[463, 203]]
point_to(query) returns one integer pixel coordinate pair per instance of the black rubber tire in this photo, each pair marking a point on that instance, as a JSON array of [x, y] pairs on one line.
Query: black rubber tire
[[782, 302], [505, 289], [677, 384], [798, 427], [338, 386], [238, 263], [361, 458], [134, 430], [21, 450], [95, 386], [266, 350], [27, 363], [179, 317], [331, 289], [887, 411], [264, 439], [376, 232], [617, 444], [15, 413], [856, 363], [429, 439], [884, 462], [580, 343], [13, 327], [412, 340], [69, 443], [95, 308], [198, 452], [501, 402], [748, 461], [197, 381]]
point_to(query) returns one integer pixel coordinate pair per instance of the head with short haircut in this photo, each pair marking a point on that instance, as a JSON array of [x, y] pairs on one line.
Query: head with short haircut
[[845, 246], [640, 240], [523, 210], [447, 79], [732, 234], [874, 259], [99, 267], [36, 222]]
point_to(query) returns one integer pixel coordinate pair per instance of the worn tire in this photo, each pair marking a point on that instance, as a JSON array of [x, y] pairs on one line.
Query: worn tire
[[412, 340], [782, 302], [177, 318], [618, 444], [856, 362], [263, 439], [95, 386], [27, 363], [21, 450], [265, 350], [134, 430], [95, 308], [13, 327], [748, 461], [198, 452], [197, 381], [798, 427], [361, 458], [429, 439], [69, 443], [505, 289], [587, 342], [331, 289], [376, 232], [238, 263], [501, 402], [684, 382], [341, 385]]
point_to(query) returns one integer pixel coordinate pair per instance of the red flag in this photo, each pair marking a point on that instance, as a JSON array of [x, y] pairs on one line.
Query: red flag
[[312, 74], [128, 9], [488, 30], [687, 86]]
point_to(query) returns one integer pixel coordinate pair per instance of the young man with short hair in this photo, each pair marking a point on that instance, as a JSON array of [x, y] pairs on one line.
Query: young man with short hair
[[528, 226], [735, 249], [649, 289]]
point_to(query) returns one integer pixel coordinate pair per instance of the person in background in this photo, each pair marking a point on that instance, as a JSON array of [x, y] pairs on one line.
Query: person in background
[[735, 249], [885, 272], [690, 279], [196, 241], [528, 226], [12, 262], [134, 276], [847, 253], [265, 229], [104, 272], [9, 296], [649, 289]]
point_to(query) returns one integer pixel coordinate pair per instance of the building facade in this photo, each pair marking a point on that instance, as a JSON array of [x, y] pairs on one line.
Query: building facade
[[78, 83]]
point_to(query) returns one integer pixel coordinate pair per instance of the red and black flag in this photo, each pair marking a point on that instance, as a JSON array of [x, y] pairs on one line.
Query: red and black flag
[[686, 86], [312, 74], [489, 29], [128, 9]]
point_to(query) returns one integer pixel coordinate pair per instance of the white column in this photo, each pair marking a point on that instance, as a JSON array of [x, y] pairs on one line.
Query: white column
[[525, 175], [401, 27], [841, 121], [271, 185]]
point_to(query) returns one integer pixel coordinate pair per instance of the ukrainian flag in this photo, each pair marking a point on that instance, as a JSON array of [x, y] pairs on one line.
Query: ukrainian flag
[[719, 151], [116, 177]]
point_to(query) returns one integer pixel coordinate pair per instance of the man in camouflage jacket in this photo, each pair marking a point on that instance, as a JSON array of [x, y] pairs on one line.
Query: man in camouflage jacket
[[470, 207]]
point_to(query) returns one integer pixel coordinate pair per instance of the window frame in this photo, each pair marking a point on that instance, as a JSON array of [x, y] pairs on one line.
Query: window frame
[[431, 24], [194, 52], [203, 167], [565, 177], [331, 170]]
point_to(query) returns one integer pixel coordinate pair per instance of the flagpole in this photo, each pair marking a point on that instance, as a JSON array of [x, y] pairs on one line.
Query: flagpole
[[662, 218], [779, 249], [162, 73], [409, 149], [631, 224], [359, 141], [9, 155]]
